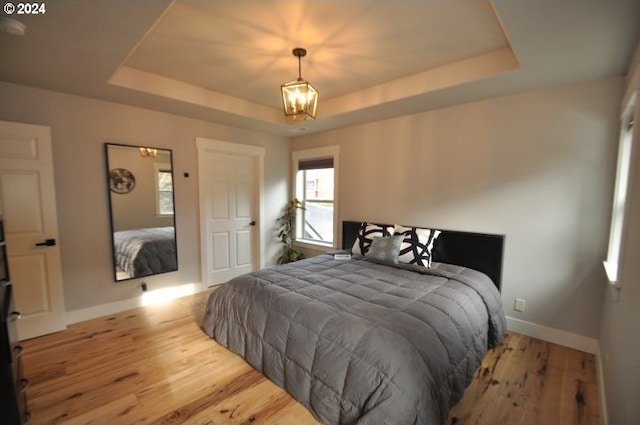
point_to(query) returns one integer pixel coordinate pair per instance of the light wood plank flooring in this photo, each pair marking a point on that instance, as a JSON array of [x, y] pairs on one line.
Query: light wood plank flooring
[[154, 365]]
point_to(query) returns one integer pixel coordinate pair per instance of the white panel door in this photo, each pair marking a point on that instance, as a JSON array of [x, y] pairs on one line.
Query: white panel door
[[228, 192], [28, 207]]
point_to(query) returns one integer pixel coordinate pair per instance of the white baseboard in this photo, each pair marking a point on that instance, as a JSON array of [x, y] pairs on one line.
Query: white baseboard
[[152, 297], [567, 339]]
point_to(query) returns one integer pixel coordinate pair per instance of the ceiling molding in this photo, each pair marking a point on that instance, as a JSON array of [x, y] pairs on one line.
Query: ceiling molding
[[370, 59]]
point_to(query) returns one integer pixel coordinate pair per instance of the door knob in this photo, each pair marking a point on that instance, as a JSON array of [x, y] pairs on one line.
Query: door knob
[[253, 223], [48, 242]]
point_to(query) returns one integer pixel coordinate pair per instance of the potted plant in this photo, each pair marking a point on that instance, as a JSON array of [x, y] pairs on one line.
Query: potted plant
[[287, 229]]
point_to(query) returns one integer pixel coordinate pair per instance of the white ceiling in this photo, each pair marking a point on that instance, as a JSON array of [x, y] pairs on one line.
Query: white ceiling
[[224, 61]]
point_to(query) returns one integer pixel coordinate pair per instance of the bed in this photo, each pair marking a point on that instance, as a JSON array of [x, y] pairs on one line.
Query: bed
[[365, 341], [143, 252]]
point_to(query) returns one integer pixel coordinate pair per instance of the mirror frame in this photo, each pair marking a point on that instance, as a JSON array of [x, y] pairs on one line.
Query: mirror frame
[[110, 194]]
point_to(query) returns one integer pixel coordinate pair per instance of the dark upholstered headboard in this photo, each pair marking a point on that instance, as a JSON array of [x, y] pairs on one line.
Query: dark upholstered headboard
[[478, 251]]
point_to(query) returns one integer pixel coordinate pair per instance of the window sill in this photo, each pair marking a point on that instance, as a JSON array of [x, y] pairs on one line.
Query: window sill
[[611, 269], [316, 246]]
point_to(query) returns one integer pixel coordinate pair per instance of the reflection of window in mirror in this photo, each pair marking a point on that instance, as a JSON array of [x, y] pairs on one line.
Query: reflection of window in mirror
[[164, 190]]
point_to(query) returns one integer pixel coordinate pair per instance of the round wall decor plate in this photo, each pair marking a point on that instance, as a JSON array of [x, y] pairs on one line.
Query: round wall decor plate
[[121, 180]]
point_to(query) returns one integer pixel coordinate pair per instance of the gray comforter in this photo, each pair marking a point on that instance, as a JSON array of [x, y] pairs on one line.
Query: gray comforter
[[360, 342]]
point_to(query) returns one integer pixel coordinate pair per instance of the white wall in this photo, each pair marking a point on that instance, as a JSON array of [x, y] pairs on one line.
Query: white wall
[[79, 128], [537, 166]]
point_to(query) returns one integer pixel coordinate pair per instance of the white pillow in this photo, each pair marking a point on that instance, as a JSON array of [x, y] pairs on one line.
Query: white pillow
[[417, 245], [366, 234]]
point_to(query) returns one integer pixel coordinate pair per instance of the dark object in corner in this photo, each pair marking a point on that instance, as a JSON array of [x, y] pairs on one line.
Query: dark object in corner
[[13, 385]]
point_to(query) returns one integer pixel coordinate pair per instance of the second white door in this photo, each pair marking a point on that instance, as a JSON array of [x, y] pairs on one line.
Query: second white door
[[228, 194]]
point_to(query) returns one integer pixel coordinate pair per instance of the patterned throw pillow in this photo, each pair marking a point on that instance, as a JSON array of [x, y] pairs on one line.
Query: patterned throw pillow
[[417, 245], [385, 249], [366, 234]]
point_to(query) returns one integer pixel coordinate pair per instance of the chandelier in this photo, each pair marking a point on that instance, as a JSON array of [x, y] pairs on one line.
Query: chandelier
[[148, 152], [299, 97]]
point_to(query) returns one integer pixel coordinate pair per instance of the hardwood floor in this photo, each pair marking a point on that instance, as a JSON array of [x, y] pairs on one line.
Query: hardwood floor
[[529, 381], [154, 365]]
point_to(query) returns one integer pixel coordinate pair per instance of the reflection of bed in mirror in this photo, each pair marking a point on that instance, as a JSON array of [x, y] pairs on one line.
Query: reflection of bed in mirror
[[144, 252]]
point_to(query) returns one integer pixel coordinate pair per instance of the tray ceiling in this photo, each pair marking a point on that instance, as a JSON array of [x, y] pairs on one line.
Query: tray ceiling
[[224, 61]]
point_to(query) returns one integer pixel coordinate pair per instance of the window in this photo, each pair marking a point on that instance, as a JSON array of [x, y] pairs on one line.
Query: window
[[619, 209], [314, 185], [164, 190]]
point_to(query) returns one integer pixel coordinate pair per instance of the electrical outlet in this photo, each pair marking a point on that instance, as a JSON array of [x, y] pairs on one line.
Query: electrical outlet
[[519, 305]]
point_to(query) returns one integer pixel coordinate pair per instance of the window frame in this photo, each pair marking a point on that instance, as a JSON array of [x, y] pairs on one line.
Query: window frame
[[311, 154], [157, 168], [625, 167]]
